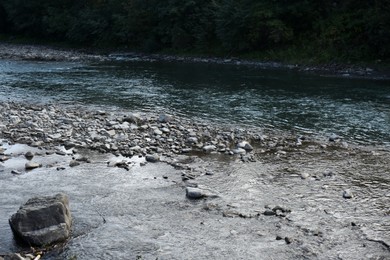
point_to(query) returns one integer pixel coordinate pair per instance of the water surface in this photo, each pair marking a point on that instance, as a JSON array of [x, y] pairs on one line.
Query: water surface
[[356, 109]]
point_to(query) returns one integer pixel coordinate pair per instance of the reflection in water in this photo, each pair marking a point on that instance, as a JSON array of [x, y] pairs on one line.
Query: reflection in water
[[353, 108]]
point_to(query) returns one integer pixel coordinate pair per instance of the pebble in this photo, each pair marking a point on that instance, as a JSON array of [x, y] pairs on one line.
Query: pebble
[[347, 194], [124, 133], [239, 151], [334, 138], [74, 163], [209, 148], [269, 212], [288, 240], [32, 165], [60, 153], [16, 172], [304, 175], [29, 155], [194, 193], [153, 158], [245, 145], [4, 158]]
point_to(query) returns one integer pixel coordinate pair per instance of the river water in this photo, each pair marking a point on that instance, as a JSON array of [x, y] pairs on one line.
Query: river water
[[143, 213], [356, 109]]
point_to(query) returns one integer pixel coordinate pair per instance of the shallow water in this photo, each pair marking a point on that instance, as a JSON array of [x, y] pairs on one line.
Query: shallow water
[[356, 109], [143, 213]]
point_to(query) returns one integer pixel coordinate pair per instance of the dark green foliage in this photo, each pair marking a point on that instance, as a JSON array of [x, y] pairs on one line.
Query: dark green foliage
[[347, 30], [3, 19]]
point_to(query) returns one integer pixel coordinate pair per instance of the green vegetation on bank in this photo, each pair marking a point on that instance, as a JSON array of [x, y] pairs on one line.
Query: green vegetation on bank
[[313, 31]]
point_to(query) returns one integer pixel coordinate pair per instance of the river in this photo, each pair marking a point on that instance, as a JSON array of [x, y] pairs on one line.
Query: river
[[143, 213], [356, 109]]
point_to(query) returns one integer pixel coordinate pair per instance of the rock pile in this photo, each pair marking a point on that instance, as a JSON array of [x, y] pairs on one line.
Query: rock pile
[[122, 133]]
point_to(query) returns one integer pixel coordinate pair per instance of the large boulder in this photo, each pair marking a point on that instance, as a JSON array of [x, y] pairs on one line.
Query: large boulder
[[43, 220]]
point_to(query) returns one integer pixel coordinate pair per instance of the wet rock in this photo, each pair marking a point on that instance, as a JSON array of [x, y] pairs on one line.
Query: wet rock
[[60, 152], [280, 208], [83, 159], [16, 172], [245, 145], [164, 118], [192, 140], [74, 163], [4, 158], [15, 120], [157, 132], [29, 155], [334, 138], [195, 193], [239, 151], [32, 165], [304, 175], [347, 194], [153, 158], [209, 148], [269, 212], [43, 220], [328, 174]]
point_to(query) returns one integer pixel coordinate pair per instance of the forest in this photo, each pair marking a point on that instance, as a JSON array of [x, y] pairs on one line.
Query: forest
[[324, 30]]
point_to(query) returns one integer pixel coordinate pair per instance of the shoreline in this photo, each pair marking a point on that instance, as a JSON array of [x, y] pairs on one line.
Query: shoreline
[[128, 133], [50, 53], [300, 174], [255, 172]]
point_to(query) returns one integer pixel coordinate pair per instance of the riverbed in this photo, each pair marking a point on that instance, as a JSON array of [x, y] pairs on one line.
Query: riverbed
[[313, 138]]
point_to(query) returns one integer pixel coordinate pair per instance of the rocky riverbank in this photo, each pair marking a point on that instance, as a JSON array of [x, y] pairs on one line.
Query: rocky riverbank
[[184, 188], [120, 132], [270, 192], [47, 53]]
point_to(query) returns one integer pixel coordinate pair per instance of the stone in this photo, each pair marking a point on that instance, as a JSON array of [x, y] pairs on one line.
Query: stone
[[165, 130], [29, 155], [55, 136], [59, 152], [4, 158], [239, 151], [152, 158], [15, 120], [334, 138], [133, 118], [157, 132], [347, 194], [32, 165], [304, 175], [195, 193], [164, 118], [209, 148], [16, 172], [245, 145], [192, 140], [43, 220], [74, 163], [269, 212]]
